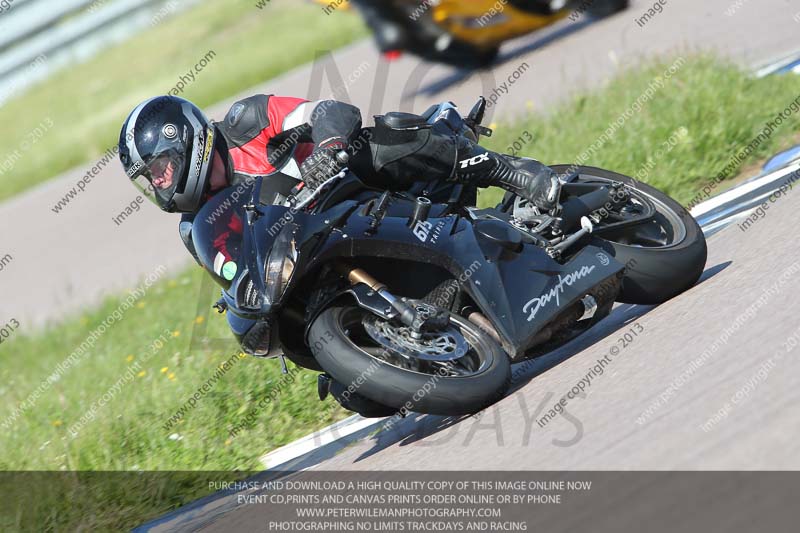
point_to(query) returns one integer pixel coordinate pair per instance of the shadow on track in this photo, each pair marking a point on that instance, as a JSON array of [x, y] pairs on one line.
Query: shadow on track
[[418, 427], [542, 38]]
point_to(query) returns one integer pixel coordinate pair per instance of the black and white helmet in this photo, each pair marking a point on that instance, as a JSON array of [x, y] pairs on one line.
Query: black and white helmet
[[166, 147]]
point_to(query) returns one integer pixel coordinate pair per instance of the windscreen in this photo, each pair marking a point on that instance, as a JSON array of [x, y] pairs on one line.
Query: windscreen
[[217, 233]]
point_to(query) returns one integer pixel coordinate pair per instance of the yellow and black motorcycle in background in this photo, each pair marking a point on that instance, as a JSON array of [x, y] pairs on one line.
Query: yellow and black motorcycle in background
[[465, 33]]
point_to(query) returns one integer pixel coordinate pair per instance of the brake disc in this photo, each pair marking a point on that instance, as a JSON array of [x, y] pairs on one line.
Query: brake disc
[[445, 345]]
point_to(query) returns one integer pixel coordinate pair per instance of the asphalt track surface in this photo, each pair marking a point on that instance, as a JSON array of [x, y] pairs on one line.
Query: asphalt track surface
[[69, 260], [708, 382], [705, 382], [751, 370]]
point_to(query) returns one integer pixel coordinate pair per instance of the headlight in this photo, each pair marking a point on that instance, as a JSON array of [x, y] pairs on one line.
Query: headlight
[[281, 263]]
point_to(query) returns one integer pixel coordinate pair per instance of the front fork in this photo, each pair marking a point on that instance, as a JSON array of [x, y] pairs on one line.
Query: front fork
[[419, 317]]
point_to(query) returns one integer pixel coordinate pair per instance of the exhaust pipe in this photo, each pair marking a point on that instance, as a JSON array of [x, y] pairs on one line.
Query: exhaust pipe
[[482, 322], [580, 206]]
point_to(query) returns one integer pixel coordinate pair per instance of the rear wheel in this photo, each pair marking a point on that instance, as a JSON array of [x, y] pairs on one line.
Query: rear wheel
[[458, 370], [665, 253], [461, 54], [604, 8]]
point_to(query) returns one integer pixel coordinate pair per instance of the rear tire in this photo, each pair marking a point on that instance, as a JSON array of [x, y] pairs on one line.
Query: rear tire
[[396, 387], [654, 275], [605, 8], [462, 55]]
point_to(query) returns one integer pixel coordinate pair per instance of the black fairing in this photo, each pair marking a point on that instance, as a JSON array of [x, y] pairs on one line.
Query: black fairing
[[213, 221], [504, 283], [512, 280]]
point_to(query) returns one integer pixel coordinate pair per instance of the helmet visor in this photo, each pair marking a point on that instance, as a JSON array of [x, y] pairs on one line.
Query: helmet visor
[[161, 176]]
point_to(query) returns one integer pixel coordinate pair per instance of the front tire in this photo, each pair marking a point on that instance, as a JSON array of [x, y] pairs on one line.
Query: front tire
[[346, 352]]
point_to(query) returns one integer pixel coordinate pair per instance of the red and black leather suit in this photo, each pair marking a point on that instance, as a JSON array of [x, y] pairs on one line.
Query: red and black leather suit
[[271, 136]]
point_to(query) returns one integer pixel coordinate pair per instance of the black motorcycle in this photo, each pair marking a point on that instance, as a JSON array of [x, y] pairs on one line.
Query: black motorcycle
[[416, 300]]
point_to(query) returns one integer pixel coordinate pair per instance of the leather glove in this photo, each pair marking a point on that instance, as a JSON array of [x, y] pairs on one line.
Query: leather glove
[[323, 163]]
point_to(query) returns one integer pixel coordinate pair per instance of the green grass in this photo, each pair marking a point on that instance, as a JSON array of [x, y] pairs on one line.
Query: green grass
[[88, 102], [721, 108], [127, 433]]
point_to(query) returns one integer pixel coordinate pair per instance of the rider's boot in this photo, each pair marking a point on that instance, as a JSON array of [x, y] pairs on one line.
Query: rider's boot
[[527, 178]]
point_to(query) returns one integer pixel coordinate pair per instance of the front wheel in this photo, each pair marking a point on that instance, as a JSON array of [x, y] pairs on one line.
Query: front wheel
[[456, 371]]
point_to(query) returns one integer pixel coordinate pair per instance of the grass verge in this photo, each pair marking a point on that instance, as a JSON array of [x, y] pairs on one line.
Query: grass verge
[[120, 409], [83, 106], [721, 110], [133, 430]]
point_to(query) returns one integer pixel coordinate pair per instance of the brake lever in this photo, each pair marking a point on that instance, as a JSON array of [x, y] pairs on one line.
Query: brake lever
[[311, 196], [475, 117], [482, 130]]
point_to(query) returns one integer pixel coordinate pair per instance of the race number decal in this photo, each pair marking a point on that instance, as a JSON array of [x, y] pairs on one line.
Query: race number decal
[[422, 230]]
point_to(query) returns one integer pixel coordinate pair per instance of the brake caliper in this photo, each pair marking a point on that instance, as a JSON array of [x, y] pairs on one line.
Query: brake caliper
[[428, 317]]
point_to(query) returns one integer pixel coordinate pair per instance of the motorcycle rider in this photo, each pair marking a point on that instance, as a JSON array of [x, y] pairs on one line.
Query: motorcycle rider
[[179, 158]]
